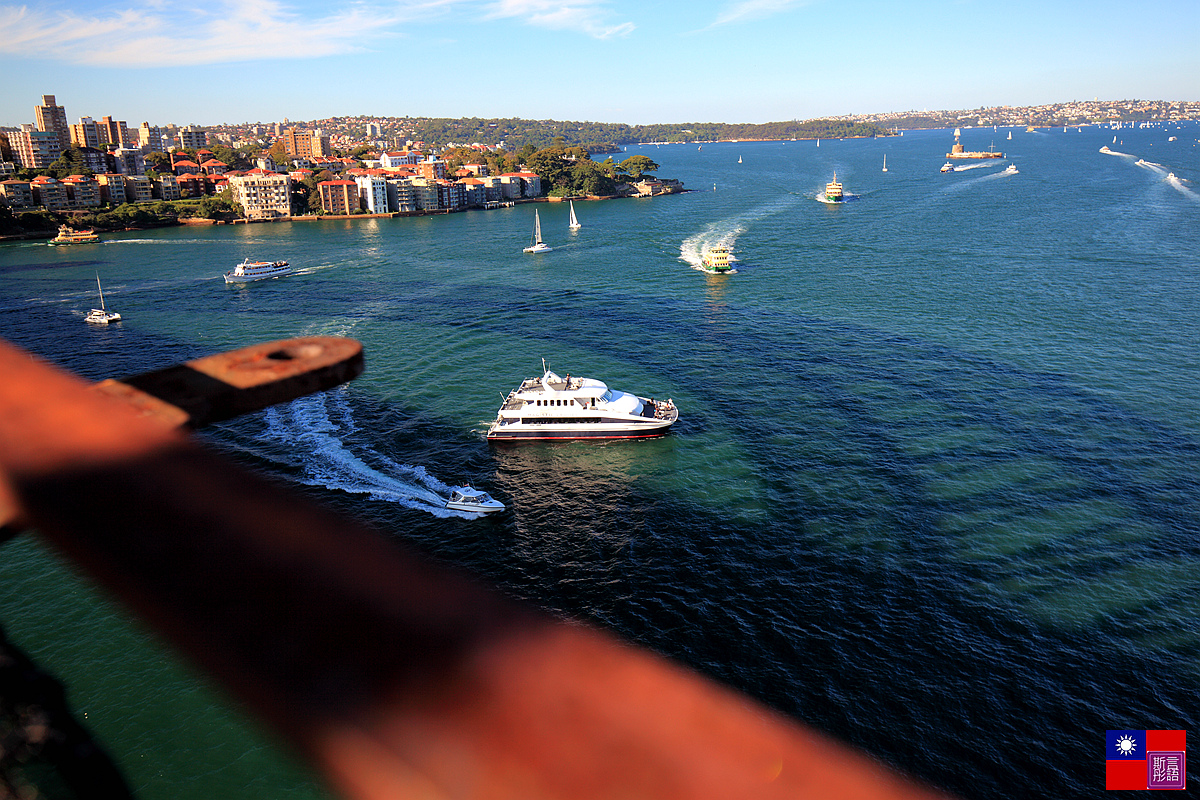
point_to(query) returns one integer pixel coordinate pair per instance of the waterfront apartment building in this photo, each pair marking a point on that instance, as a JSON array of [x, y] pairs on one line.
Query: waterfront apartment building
[[262, 194], [372, 193], [36, 149], [338, 197], [400, 195], [166, 187], [82, 192], [18, 194], [112, 187], [50, 193], [52, 117], [138, 189]]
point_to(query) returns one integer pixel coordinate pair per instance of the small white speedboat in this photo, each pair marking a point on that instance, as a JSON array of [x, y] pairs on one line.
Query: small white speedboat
[[464, 498]]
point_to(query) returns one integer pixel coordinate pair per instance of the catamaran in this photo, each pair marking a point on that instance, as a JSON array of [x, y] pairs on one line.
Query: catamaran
[[574, 224], [537, 245], [101, 315]]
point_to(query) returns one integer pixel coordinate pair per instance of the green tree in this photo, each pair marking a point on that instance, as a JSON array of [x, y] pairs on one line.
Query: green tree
[[637, 166], [588, 177], [69, 163], [551, 168], [159, 163]]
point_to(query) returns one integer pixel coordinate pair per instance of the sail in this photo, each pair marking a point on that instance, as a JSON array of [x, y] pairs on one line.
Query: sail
[[102, 306], [574, 224], [537, 228]]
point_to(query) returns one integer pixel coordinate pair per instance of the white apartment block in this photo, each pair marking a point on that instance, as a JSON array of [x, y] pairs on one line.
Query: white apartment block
[[262, 194], [372, 193]]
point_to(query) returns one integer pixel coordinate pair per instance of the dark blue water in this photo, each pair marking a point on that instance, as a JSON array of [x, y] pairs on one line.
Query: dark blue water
[[935, 487]]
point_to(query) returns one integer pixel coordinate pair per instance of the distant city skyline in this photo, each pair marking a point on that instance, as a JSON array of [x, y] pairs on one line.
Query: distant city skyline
[[234, 61]]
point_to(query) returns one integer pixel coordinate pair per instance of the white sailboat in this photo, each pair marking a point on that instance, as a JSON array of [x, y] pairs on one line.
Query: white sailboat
[[885, 162], [739, 159], [1010, 135], [101, 315], [537, 245], [574, 223]]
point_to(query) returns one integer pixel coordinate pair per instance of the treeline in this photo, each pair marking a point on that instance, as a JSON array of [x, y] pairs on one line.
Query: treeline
[[126, 215], [602, 137]]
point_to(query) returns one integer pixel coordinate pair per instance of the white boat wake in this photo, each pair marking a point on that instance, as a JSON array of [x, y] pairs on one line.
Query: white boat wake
[[308, 427], [965, 167], [1184, 190], [1109, 152], [726, 232]]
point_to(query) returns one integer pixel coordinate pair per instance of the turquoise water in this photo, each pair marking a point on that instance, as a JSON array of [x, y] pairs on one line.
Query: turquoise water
[[934, 486]]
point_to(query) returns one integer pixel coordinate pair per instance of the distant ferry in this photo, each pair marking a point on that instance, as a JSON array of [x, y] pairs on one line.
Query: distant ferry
[[551, 407], [833, 191], [68, 235], [257, 270], [717, 258], [958, 151]]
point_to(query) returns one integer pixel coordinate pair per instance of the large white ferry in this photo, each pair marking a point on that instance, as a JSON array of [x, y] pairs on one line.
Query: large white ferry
[[553, 407], [257, 270]]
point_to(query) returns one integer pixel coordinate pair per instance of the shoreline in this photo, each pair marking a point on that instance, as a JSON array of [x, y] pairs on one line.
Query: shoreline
[[50, 234]]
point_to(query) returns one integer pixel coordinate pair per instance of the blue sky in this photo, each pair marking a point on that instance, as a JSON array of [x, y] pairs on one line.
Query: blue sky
[[602, 60]]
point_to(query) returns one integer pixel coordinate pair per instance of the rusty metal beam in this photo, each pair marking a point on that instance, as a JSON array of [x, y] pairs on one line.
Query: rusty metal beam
[[396, 677]]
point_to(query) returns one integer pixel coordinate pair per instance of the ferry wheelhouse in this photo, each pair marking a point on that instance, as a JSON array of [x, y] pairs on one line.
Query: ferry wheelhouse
[[554, 407], [257, 270]]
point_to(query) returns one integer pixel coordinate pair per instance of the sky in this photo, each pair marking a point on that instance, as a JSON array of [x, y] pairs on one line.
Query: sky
[[234, 61]]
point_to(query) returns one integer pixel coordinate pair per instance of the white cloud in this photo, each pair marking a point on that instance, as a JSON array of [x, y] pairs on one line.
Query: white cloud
[[755, 9], [584, 16], [156, 34]]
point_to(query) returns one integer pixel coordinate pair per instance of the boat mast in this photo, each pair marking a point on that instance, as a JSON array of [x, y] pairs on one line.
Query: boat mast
[[102, 308]]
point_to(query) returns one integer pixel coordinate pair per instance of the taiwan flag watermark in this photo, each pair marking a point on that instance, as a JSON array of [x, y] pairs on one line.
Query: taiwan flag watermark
[[1145, 760]]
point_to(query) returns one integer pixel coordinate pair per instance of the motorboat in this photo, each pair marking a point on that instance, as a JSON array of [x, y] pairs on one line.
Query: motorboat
[[101, 315], [716, 258], [68, 235], [947, 167], [257, 270], [536, 245], [464, 498], [554, 407]]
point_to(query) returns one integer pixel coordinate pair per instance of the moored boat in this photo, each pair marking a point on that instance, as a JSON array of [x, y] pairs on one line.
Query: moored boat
[[257, 270], [553, 407], [68, 235]]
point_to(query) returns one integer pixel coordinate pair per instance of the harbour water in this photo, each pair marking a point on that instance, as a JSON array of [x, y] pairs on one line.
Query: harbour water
[[935, 487]]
